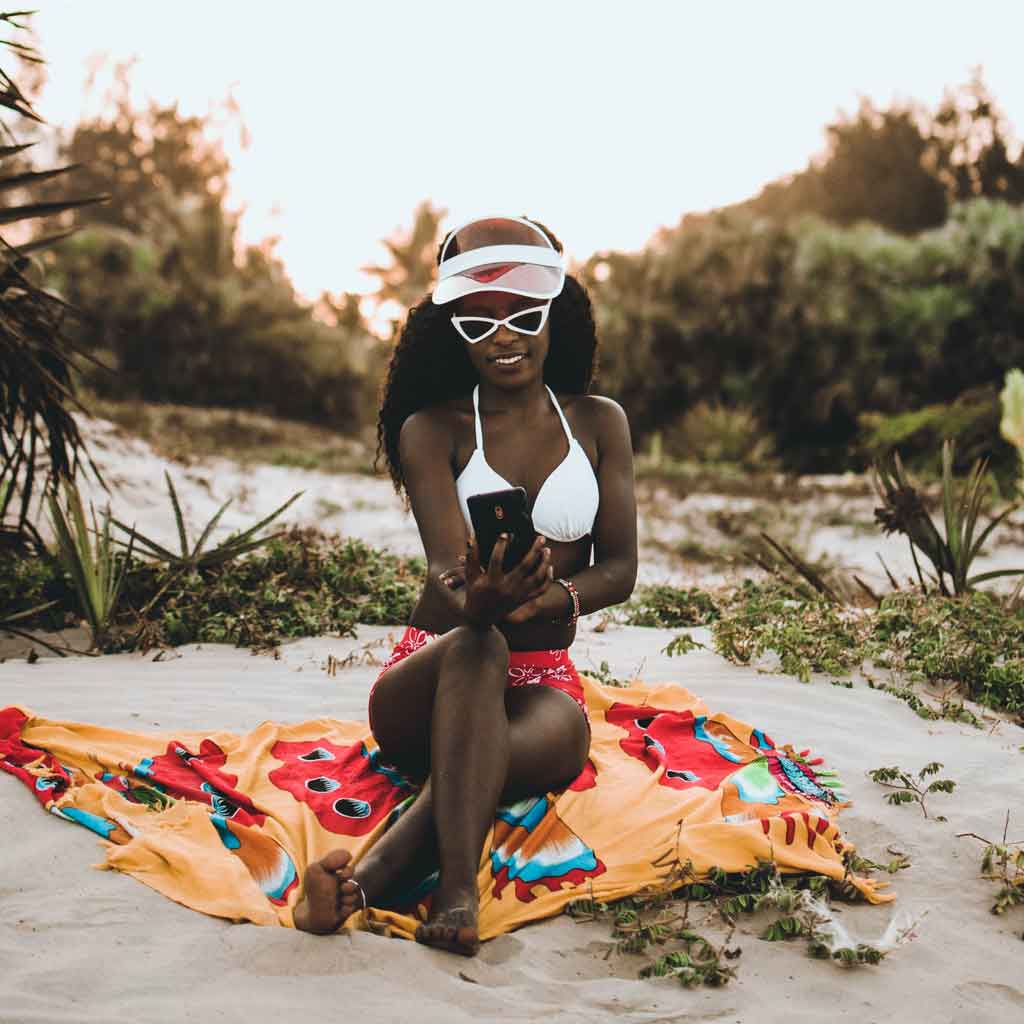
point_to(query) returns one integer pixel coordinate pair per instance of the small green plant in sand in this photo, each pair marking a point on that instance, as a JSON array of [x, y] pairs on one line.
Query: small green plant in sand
[[860, 865], [808, 633], [655, 919], [908, 789], [668, 607], [658, 921], [96, 568], [603, 674], [903, 511], [1003, 863]]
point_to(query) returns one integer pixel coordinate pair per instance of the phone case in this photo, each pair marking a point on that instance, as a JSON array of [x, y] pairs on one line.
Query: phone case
[[499, 512]]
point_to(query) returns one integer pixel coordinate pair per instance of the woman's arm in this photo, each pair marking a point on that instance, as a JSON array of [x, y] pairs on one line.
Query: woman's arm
[[426, 449], [610, 580]]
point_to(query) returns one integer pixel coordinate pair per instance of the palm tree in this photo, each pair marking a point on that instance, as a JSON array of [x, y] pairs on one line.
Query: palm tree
[[413, 258], [36, 392]]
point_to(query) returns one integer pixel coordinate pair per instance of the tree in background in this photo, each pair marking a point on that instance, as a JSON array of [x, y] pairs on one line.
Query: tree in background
[[971, 141], [36, 390], [410, 274], [904, 167], [178, 308], [816, 329], [155, 163]]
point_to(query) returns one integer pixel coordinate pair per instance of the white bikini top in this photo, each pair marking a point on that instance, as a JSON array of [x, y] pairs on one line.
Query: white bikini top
[[567, 501]]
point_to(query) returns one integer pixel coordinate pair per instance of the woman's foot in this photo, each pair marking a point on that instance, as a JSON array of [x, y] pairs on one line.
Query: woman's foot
[[329, 895], [453, 926]]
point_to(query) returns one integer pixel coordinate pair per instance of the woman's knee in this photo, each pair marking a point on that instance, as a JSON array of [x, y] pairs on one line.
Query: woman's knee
[[485, 651]]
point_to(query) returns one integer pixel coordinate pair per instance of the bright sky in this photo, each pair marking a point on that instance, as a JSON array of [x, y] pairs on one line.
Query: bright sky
[[604, 118]]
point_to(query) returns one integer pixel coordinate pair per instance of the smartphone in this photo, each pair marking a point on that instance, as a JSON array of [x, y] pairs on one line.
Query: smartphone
[[498, 512]]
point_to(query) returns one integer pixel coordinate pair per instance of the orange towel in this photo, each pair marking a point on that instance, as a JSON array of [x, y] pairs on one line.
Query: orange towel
[[226, 824]]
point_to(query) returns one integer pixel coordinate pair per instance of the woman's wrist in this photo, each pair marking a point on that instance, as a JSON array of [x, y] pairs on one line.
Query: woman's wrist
[[478, 619], [572, 612]]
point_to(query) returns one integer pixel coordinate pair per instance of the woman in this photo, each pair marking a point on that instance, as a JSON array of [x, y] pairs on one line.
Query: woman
[[487, 389]]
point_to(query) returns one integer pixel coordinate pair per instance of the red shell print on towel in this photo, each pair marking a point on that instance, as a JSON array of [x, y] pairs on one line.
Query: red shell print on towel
[[349, 789]]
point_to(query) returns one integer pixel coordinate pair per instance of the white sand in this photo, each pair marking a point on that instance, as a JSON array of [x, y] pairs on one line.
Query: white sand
[[80, 945], [83, 945]]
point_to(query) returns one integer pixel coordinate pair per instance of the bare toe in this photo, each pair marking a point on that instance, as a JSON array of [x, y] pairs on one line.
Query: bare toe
[[454, 930], [329, 894]]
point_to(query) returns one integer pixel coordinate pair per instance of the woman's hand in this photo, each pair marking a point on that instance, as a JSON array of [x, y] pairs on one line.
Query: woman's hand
[[492, 594], [552, 604]]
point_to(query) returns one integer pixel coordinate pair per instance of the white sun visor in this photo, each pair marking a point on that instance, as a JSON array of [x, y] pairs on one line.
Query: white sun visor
[[529, 270]]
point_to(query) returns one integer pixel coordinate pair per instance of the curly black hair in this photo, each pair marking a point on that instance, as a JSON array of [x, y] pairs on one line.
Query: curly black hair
[[429, 364]]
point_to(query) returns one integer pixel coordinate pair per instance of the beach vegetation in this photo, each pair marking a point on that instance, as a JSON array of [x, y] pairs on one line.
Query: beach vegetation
[[299, 583], [36, 352], [908, 788], [194, 558], [711, 432], [603, 675], [656, 923], [92, 560], [1002, 862], [971, 420], [965, 648], [950, 553], [664, 606]]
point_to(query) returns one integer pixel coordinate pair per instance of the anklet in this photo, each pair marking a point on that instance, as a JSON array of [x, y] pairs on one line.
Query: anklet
[[362, 899], [362, 894]]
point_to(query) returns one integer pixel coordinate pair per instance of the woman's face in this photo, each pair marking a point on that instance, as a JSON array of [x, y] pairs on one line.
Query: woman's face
[[506, 358]]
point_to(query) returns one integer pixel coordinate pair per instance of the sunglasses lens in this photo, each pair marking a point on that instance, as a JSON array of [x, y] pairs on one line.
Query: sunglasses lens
[[473, 329], [529, 322]]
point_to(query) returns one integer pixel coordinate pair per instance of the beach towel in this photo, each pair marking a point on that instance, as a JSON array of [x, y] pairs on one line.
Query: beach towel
[[226, 824]]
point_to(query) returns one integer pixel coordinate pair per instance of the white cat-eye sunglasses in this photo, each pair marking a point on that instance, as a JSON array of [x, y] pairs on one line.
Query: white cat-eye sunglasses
[[526, 321]]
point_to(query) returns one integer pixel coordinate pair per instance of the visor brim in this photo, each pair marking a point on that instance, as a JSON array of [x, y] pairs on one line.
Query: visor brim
[[527, 279]]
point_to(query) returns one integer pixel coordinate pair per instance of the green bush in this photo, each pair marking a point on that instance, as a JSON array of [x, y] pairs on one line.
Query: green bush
[[715, 433], [176, 322], [300, 584], [971, 420], [812, 326]]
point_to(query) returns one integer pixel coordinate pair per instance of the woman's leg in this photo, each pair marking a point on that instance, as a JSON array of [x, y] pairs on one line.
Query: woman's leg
[[529, 741]]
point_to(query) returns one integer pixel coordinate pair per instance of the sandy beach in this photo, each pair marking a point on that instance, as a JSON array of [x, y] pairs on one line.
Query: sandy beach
[[78, 944]]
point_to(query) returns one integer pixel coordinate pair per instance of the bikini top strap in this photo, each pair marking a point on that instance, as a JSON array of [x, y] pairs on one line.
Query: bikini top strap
[[476, 420], [561, 416]]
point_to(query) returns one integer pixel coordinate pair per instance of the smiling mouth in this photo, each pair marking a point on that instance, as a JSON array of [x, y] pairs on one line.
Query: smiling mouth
[[510, 360]]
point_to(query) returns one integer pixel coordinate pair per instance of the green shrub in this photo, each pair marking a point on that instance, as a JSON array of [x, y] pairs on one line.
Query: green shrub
[[811, 326], [971, 420], [715, 433]]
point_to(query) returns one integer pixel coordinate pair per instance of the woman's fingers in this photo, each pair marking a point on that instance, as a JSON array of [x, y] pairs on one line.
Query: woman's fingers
[[494, 566], [532, 559], [453, 578], [471, 559], [542, 574]]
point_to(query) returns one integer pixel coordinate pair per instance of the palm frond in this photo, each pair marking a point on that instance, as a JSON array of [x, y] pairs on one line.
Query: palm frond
[[36, 357], [196, 558]]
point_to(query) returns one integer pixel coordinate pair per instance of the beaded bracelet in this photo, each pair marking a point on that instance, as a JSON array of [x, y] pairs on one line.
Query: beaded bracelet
[[574, 595]]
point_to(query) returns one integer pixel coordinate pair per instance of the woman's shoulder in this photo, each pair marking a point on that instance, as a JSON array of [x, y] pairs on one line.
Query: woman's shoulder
[[436, 423], [596, 412]]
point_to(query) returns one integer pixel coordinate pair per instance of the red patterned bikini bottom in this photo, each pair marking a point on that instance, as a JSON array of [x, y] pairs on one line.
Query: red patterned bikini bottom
[[525, 668]]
